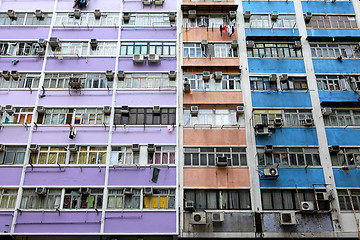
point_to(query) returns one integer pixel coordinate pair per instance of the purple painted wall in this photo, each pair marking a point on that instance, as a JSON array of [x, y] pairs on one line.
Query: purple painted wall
[[140, 222], [148, 33], [166, 64], [80, 64], [87, 98], [51, 222], [134, 6], [24, 64], [112, 5], [51, 135], [28, 5], [145, 98], [11, 135], [69, 176], [17, 33], [138, 135], [85, 33], [5, 221], [18, 98], [10, 176], [141, 176]]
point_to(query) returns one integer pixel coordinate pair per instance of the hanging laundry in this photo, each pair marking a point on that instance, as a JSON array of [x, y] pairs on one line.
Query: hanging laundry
[[221, 28], [224, 28], [229, 30]]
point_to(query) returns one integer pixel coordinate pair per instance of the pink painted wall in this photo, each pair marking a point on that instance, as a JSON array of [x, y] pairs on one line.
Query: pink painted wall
[[221, 97], [214, 137]]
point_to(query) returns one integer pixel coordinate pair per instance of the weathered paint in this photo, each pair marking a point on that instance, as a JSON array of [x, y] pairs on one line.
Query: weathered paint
[[27, 33], [268, 6], [18, 134], [214, 137], [86, 33], [141, 135], [211, 34], [350, 179], [10, 176], [211, 62], [328, 7], [24, 64], [276, 65], [216, 177], [294, 177], [280, 99], [271, 32], [166, 64], [343, 137], [334, 66], [145, 98], [18, 98], [80, 64], [76, 98], [333, 32], [213, 97], [5, 221], [111, 5], [148, 33], [285, 136], [338, 96]]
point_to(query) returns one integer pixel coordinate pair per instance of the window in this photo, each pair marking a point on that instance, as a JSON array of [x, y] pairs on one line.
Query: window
[[335, 82], [346, 157], [145, 116], [332, 21], [161, 48], [211, 21], [89, 155], [19, 48], [274, 50], [87, 19], [262, 83], [163, 155], [8, 198], [289, 156], [26, 19], [128, 198], [88, 80], [333, 50], [91, 116], [228, 82], [294, 83], [219, 199], [72, 48], [343, 117], [160, 198], [104, 49], [55, 116], [148, 19], [289, 199], [51, 199], [13, 155], [206, 156], [216, 50], [25, 80], [265, 21], [213, 117], [19, 116], [49, 155], [344, 199], [92, 198], [291, 117], [124, 156], [147, 81]]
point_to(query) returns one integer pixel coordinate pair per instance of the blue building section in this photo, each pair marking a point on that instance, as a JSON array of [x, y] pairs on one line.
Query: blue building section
[[350, 179], [337, 96], [328, 7], [268, 6], [343, 136], [257, 32], [294, 177], [334, 66], [289, 137], [281, 99], [333, 32], [275, 65]]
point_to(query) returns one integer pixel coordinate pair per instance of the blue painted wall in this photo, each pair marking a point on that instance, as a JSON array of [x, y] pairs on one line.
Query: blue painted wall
[[271, 32], [343, 137], [333, 32], [337, 96], [342, 179], [334, 66], [268, 6], [289, 136], [276, 65], [295, 177], [280, 99], [328, 7]]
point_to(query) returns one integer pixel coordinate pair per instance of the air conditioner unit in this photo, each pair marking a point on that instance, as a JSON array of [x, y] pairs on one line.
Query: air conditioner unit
[[40, 109], [121, 75], [187, 87], [204, 42], [75, 82], [156, 109], [250, 44], [206, 76], [308, 122], [147, 2], [192, 14], [148, 191], [307, 206], [72, 148], [278, 122], [322, 196], [221, 161], [262, 130], [38, 14], [297, 44], [5, 74], [126, 16], [234, 44], [268, 149], [128, 191], [218, 75], [154, 58], [271, 172], [194, 110], [54, 42], [326, 111], [198, 218], [232, 14], [34, 148], [287, 218], [138, 58], [107, 110], [136, 147], [40, 191], [2, 147], [11, 13], [77, 13], [40, 51], [272, 77], [217, 217], [284, 77], [307, 16], [151, 147], [159, 2], [109, 75], [172, 75], [240, 109], [42, 42], [9, 109], [14, 74], [335, 149], [247, 14], [189, 205], [124, 110], [84, 191], [97, 13], [172, 16], [274, 15], [93, 43]]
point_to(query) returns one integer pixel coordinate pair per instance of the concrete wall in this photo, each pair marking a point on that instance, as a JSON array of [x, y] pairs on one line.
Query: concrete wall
[[268, 6], [343, 137], [214, 137], [281, 99], [275, 65], [218, 97], [290, 136]]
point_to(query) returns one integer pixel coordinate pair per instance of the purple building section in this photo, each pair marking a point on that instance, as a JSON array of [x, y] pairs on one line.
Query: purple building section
[[24, 64], [18, 98], [27, 33], [148, 33], [165, 64], [85, 33], [141, 177], [76, 98], [111, 5], [135, 6], [27, 5], [80, 64], [69, 176], [52, 222], [138, 134], [10, 176], [140, 222], [11, 134], [145, 98], [5, 221]]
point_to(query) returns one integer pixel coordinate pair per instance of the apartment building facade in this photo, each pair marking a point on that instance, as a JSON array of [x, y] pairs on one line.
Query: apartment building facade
[[159, 119]]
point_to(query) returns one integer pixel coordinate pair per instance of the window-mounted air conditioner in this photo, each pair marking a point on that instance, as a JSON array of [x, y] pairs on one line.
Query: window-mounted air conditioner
[[187, 87], [250, 44], [221, 161], [204, 42], [5, 74], [271, 172], [138, 58], [194, 110], [335, 149], [274, 15], [218, 76], [198, 218], [247, 14], [135, 147], [40, 190], [38, 14], [11, 13], [109, 75], [206, 76], [107, 110], [283, 77], [273, 77], [307, 16], [287, 218], [77, 13], [159, 2], [154, 58], [148, 191], [189, 205], [42, 42], [147, 2], [156, 109], [40, 51], [40, 110], [121, 75], [172, 16], [151, 147], [54, 42], [322, 196], [307, 206], [97, 13], [308, 122], [93, 43], [232, 14], [126, 16], [84, 191], [326, 111], [268, 149], [9, 109], [172, 75], [72, 148], [262, 130], [234, 43], [75, 83], [217, 216], [278, 122], [124, 110], [192, 14], [128, 191], [34, 148], [297, 44], [14, 74], [2, 147], [240, 109]]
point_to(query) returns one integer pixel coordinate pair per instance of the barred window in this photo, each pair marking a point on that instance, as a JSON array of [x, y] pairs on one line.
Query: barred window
[[162, 155], [160, 198], [290, 117], [145, 116], [13, 155], [265, 21], [89, 155], [120, 198], [333, 50], [124, 156], [332, 21], [343, 117], [76, 199], [206, 156], [147, 81], [217, 50], [19, 115], [228, 82], [336, 82], [25, 80], [344, 199], [49, 155], [8, 198], [289, 199], [25, 19], [19, 48], [346, 157], [289, 156], [88, 80], [51, 199], [213, 117], [161, 48], [147, 19], [212, 21], [87, 19], [274, 50]]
